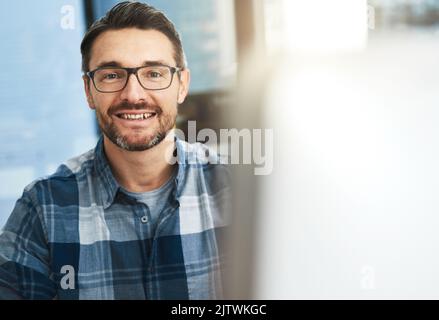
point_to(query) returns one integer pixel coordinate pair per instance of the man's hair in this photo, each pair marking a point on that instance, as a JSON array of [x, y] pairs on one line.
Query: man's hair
[[132, 15]]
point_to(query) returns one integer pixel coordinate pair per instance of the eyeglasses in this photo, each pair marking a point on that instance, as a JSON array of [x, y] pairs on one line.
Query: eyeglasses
[[114, 79]]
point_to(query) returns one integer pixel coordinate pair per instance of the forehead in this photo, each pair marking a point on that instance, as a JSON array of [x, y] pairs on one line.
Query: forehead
[[131, 48]]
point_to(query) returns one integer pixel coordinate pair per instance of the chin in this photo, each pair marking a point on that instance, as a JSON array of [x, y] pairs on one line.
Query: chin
[[139, 143]]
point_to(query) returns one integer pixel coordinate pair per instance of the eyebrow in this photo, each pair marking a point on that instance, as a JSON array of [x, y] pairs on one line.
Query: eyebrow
[[116, 64]]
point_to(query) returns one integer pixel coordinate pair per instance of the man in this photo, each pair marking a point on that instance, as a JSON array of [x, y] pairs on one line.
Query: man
[[121, 221]]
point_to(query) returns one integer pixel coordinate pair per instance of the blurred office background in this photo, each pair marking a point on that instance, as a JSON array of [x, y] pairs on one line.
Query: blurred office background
[[349, 88], [350, 210]]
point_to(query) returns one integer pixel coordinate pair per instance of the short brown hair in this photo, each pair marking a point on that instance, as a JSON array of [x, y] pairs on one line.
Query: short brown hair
[[132, 15]]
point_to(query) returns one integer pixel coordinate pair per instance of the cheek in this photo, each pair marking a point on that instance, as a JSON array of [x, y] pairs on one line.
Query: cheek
[[166, 100], [103, 102], [171, 107]]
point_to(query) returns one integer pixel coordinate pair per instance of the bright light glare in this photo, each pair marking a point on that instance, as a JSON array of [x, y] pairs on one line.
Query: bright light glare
[[325, 26]]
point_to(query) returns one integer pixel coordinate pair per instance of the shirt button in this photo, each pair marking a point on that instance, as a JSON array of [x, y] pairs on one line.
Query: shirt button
[[144, 219]]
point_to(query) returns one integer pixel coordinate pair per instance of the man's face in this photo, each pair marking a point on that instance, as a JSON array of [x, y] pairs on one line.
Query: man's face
[[134, 48]]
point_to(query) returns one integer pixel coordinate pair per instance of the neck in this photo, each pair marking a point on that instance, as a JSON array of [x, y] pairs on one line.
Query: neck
[[139, 171]]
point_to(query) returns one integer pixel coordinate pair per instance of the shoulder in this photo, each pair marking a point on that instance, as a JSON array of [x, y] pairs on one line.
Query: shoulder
[[205, 168], [202, 158], [61, 187]]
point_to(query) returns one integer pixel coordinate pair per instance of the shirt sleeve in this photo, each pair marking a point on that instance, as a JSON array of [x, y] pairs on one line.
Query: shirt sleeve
[[24, 254]]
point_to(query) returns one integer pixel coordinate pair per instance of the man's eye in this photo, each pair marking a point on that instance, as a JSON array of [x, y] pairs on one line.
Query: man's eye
[[154, 74], [111, 76]]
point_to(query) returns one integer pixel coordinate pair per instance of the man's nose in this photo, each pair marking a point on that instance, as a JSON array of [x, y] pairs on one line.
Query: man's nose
[[133, 91]]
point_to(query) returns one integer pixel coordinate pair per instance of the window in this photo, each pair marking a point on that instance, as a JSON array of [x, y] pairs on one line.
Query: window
[[44, 118]]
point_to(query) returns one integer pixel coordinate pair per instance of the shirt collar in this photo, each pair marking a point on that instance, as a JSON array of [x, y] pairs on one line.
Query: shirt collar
[[108, 185]]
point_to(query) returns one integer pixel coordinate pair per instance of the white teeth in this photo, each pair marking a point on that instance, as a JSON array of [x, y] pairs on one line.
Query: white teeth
[[136, 116]]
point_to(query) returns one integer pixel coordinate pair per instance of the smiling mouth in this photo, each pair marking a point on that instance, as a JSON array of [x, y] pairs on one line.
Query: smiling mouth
[[136, 117]]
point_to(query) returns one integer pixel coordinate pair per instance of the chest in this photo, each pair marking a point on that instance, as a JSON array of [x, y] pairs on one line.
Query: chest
[[120, 251]]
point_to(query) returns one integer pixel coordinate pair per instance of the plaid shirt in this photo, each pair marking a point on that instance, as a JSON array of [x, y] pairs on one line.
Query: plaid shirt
[[75, 235]]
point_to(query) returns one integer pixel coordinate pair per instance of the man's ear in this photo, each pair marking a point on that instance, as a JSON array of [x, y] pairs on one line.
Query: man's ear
[[185, 80], [87, 92]]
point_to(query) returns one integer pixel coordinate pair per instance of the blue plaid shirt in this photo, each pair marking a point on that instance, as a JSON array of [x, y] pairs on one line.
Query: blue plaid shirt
[[76, 235]]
